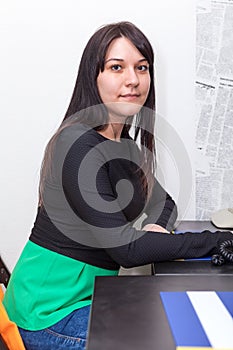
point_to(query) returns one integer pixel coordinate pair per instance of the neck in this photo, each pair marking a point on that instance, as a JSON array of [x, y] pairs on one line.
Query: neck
[[116, 130], [113, 131]]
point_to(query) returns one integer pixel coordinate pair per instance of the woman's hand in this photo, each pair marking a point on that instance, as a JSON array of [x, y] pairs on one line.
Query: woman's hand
[[154, 228]]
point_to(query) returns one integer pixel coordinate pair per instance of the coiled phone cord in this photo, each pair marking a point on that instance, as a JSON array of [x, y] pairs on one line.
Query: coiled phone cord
[[225, 254]]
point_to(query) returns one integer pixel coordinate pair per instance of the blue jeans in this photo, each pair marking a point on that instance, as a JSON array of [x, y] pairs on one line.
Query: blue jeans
[[70, 333]]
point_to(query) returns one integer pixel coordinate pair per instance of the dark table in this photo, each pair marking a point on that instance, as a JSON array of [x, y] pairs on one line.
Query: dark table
[[2, 344], [127, 312], [192, 267], [196, 225]]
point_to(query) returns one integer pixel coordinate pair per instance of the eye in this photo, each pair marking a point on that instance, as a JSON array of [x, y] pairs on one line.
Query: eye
[[116, 67], [143, 68]]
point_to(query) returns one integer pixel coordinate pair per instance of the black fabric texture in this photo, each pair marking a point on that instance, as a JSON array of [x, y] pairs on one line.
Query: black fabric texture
[[76, 219]]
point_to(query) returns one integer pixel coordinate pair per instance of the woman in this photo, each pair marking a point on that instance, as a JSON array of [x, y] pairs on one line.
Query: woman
[[97, 180]]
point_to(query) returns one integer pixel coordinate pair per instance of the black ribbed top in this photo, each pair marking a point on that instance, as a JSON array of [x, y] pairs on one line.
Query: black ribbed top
[[93, 199]]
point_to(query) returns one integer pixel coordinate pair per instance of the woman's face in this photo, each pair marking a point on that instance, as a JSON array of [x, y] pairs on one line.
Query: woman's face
[[125, 81]]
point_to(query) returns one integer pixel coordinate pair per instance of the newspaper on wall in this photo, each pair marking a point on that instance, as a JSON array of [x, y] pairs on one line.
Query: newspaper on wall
[[214, 107]]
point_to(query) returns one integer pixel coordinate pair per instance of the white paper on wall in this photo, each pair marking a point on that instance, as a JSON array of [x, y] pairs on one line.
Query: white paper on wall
[[214, 107]]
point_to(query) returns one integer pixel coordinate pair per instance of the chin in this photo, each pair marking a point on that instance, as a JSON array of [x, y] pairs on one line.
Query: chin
[[123, 109]]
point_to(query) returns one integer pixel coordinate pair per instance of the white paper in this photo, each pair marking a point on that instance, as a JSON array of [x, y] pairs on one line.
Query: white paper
[[214, 107], [214, 317]]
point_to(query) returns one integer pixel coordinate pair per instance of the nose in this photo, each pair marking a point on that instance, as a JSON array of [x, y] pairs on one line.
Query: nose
[[131, 77]]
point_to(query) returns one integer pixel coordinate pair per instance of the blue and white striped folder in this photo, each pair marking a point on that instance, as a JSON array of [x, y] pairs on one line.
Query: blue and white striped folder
[[200, 320]]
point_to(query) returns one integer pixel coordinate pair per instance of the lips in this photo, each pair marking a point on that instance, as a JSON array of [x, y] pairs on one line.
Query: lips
[[130, 97]]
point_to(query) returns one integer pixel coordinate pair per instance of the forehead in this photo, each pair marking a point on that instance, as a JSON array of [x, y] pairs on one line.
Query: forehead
[[122, 47]]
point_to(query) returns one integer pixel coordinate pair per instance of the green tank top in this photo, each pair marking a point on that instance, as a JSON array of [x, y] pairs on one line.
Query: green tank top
[[46, 286]]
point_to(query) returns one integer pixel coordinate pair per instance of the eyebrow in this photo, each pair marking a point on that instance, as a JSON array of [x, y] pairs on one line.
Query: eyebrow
[[121, 59]]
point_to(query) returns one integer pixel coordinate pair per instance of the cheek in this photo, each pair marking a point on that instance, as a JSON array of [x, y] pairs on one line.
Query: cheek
[[147, 84], [105, 86], [147, 88], [108, 87]]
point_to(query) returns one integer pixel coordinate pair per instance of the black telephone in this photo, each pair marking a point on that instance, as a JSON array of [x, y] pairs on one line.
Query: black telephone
[[225, 253]]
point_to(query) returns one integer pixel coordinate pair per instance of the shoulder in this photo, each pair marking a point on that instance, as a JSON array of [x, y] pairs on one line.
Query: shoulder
[[79, 144], [78, 134], [73, 143]]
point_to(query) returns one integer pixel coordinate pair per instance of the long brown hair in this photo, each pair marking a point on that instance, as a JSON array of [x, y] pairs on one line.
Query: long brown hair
[[85, 94]]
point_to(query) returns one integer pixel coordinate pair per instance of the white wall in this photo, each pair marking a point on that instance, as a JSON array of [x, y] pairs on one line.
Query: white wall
[[41, 44]]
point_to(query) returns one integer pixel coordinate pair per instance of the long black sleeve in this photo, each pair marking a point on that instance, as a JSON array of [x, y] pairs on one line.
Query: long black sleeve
[[92, 201], [157, 247]]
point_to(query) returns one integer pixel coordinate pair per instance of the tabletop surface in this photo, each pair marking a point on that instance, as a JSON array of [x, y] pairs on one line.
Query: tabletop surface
[[196, 225], [191, 267], [127, 312]]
